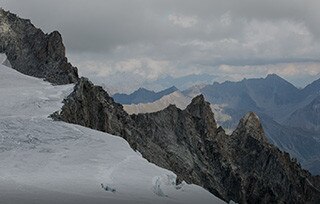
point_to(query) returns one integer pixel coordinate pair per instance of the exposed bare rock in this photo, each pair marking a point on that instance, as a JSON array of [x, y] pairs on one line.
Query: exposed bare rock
[[34, 53], [289, 115], [250, 125], [242, 167], [268, 174], [92, 107]]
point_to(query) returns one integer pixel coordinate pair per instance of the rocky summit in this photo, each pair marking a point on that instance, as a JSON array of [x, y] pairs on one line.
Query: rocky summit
[[242, 167], [34, 53]]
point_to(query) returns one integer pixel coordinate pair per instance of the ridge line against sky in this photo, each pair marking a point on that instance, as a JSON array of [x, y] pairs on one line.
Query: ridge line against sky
[[145, 40]]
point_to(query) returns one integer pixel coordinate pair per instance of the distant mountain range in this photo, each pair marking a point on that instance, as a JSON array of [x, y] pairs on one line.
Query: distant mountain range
[[290, 116], [142, 95], [177, 98], [271, 96], [182, 82]]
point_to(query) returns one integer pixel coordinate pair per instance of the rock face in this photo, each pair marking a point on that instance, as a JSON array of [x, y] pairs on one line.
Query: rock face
[[34, 53], [268, 175], [289, 121], [92, 107], [307, 118], [242, 167]]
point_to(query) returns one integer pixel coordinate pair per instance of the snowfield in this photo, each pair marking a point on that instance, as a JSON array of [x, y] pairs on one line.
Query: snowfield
[[43, 161]]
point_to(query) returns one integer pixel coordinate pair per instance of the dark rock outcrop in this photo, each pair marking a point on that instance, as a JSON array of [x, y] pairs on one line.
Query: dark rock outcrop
[[34, 53], [242, 167], [268, 174], [92, 107], [289, 122]]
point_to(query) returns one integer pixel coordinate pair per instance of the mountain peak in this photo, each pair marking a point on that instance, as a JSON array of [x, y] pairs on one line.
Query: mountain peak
[[273, 76], [251, 125], [4, 12], [142, 95], [167, 91], [141, 89], [173, 88], [251, 117], [201, 109], [198, 100], [311, 89], [279, 79], [40, 55]]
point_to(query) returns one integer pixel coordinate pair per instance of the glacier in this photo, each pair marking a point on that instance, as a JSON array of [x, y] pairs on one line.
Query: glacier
[[45, 161]]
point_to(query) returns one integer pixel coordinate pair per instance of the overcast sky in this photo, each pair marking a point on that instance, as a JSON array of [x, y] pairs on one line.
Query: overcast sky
[[138, 40]]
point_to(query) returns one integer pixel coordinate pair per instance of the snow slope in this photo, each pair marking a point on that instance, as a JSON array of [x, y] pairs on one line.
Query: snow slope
[[43, 161]]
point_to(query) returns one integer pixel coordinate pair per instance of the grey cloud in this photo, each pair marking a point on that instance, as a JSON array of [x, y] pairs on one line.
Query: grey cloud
[[237, 33], [99, 25]]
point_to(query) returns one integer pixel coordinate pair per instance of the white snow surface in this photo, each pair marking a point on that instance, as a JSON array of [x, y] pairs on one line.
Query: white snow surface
[[43, 161]]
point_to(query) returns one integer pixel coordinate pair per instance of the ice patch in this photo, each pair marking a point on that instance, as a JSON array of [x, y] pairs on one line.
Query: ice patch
[[157, 187], [4, 60]]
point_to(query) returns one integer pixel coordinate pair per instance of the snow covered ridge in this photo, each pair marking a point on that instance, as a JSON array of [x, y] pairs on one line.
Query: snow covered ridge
[[43, 161]]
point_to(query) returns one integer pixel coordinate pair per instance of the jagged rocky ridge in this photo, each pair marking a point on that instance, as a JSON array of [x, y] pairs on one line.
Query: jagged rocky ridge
[[288, 122], [34, 53], [242, 167]]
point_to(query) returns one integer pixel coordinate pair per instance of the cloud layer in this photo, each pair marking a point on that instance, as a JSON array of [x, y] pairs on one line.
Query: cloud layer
[[147, 39]]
